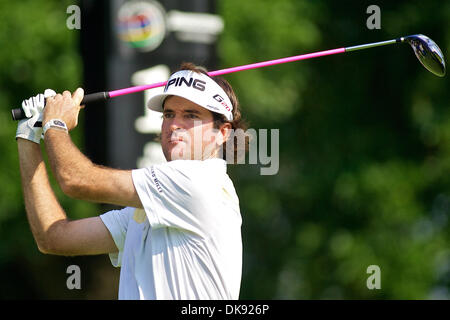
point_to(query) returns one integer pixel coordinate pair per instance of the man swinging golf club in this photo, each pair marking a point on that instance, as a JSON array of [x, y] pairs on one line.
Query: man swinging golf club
[[178, 236]]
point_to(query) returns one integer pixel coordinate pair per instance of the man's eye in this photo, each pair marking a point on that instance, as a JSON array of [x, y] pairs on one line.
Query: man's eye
[[191, 116], [167, 115]]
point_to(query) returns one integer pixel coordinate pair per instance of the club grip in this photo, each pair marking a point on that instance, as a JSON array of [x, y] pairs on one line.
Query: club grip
[[19, 114], [93, 97]]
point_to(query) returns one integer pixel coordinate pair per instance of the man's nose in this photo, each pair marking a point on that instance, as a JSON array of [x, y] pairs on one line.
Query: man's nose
[[176, 123]]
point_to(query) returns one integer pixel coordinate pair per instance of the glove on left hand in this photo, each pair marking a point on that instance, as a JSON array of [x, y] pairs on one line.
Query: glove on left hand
[[33, 108]]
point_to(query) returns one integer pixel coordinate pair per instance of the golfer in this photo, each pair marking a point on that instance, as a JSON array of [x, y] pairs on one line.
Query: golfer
[[179, 235]]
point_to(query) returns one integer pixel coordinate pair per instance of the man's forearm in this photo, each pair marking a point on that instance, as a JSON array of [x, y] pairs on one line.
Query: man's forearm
[[79, 178], [43, 209], [70, 167]]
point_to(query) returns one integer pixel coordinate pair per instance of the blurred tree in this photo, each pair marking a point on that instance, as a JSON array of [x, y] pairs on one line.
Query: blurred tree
[[38, 52], [364, 151]]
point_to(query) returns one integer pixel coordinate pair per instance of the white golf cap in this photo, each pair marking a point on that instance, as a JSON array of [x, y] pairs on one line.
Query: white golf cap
[[196, 87]]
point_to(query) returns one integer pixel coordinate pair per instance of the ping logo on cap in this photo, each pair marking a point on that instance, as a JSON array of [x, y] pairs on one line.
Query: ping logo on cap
[[198, 88], [194, 83]]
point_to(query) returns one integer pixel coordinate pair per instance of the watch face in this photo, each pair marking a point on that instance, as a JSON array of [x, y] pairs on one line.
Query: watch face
[[59, 123]]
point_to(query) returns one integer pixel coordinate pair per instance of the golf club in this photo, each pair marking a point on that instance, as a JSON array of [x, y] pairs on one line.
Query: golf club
[[425, 49]]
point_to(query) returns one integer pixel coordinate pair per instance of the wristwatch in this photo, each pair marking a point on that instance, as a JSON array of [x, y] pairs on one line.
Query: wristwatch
[[56, 124]]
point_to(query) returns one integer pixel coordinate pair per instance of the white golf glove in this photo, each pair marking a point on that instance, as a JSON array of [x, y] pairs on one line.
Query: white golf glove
[[33, 108]]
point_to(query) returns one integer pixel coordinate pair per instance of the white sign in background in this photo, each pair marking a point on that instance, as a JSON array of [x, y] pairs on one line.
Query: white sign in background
[[152, 120]]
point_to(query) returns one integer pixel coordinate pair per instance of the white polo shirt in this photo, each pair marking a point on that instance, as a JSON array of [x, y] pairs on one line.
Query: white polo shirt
[[186, 243]]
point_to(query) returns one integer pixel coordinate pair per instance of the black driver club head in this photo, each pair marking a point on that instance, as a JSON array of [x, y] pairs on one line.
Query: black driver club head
[[428, 53]]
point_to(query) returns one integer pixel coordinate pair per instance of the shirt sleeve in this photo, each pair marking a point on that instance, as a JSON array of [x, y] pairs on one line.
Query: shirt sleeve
[[116, 221], [171, 196]]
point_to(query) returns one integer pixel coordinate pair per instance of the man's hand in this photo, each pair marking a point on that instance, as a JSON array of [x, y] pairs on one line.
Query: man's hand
[[33, 108], [65, 107]]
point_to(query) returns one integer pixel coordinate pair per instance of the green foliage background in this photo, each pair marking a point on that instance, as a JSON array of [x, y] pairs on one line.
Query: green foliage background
[[364, 150]]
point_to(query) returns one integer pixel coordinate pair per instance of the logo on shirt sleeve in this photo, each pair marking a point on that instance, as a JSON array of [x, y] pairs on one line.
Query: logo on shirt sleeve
[[156, 181]]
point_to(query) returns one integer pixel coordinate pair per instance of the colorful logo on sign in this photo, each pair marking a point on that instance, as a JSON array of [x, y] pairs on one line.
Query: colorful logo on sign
[[142, 24]]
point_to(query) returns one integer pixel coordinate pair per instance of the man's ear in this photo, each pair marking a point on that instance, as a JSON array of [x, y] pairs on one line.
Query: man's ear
[[225, 132]]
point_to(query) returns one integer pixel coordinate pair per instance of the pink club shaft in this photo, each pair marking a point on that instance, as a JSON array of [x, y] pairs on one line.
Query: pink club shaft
[[121, 92], [276, 61]]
